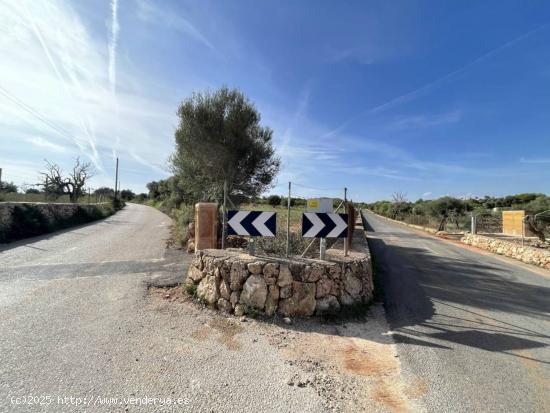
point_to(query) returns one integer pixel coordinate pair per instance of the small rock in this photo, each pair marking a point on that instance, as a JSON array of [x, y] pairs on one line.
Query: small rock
[[285, 276], [285, 292], [287, 320], [239, 310], [255, 267], [271, 270], [234, 299], [225, 290], [225, 305], [243, 319], [254, 292]]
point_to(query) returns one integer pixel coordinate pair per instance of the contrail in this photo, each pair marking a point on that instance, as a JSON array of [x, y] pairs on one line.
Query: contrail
[[407, 97], [113, 44], [74, 81]]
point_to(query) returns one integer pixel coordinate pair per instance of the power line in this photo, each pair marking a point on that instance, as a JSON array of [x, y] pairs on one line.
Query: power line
[[39, 116]]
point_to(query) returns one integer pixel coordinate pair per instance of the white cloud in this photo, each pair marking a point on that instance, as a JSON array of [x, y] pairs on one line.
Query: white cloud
[[56, 82], [425, 121], [151, 13], [46, 144], [113, 41]]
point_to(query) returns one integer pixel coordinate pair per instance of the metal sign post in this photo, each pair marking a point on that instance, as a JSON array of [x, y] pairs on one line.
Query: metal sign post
[[322, 248], [252, 246], [346, 211], [324, 225], [224, 218]]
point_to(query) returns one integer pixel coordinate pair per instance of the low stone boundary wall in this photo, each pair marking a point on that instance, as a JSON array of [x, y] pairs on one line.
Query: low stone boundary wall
[[233, 281], [528, 255], [22, 219]]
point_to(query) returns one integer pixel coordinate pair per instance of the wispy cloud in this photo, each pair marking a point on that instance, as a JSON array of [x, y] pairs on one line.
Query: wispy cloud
[[57, 87], [113, 43], [429, 87], [425, 121], [152, 13], [46, 144], [535, 160]]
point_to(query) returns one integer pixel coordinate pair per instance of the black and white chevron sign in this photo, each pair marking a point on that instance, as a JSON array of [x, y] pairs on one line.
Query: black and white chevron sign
[[252, 223], [324, 225]]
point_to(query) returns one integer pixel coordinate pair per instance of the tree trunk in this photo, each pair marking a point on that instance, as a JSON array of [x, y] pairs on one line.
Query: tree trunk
[[539, 232], [442, 224]]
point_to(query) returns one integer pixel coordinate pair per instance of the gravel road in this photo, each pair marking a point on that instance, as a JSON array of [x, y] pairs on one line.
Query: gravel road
[[82, 331], [474, 327]]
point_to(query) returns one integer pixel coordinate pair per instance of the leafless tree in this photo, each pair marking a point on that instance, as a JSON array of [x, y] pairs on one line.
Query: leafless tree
[[54, 182], [399, 200]]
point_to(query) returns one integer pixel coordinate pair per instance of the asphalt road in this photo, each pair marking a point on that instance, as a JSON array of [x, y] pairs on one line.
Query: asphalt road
[[77, 320], [474, 328]]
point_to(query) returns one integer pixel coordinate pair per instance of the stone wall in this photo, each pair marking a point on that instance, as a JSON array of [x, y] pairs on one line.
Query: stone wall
[[21, 219], [235, 282], [528, 255]]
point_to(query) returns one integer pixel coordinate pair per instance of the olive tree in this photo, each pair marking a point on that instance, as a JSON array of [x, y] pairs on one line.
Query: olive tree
[[56, 182], [219, 138], [446, 208]]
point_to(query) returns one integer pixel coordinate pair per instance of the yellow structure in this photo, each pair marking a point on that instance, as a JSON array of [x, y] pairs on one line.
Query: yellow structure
[[206, 225], [512, 222]]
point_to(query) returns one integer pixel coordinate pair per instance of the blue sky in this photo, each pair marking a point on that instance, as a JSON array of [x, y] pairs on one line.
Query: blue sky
[[429, 98]]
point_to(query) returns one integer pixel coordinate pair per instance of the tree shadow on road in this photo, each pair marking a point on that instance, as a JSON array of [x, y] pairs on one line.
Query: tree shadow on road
[[467, 293]]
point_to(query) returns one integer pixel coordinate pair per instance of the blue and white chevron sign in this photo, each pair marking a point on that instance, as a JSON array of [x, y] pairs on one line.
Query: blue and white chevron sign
[[252, 223], [324, 225]]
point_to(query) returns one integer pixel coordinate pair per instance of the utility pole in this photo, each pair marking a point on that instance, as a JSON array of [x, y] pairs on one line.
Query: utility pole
[[288, 222], [0, 179], [116, 178]]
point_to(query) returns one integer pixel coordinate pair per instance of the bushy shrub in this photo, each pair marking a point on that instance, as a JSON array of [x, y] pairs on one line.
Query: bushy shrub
[[26, 221], [182, 217], [274, 200], [29, 221]]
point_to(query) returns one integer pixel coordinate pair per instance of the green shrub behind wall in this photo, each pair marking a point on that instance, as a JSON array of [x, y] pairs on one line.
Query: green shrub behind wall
[[27, 220]]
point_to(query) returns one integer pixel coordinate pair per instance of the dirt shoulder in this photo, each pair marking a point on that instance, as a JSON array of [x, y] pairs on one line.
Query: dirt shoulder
[[342, 366]]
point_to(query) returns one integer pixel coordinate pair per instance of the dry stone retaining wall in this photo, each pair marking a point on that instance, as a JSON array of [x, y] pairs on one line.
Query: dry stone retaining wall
[[46, 217], [232, 281], [528, 255]]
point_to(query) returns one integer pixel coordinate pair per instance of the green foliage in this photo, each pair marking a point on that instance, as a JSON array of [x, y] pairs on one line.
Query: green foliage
[[27, 221], [190, 289], [8, 187], [140, 198], [438, 213], [182, 217], [219, 137], [127, 195], [118, 204], [274, 200]]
